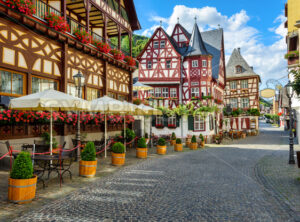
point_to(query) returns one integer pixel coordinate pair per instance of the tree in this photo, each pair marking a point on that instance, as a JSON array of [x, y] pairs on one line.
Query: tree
[[296, 82]]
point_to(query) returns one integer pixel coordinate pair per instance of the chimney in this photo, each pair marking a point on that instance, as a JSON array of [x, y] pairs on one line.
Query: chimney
[[239, 50]]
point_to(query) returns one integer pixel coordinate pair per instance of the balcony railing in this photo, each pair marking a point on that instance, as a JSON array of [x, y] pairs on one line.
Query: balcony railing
[[42, 9]]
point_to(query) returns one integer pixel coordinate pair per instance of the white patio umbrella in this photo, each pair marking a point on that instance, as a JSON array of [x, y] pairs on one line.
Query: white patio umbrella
[[234, 125], [49, 100], [108, 105], [141, 86]]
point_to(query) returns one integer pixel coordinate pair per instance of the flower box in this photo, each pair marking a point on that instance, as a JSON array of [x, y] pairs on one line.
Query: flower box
[[83, 36], [173, 126], [57, 22], [24, 6], [130, 61], [102, 47], [118, 55], [159, 126]]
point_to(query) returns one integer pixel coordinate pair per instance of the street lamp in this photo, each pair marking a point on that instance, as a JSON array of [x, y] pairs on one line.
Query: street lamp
[[79, 82], [289, 93]]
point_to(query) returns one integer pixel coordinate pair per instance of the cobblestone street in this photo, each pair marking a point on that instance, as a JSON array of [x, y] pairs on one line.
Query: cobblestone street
[[238, 182]]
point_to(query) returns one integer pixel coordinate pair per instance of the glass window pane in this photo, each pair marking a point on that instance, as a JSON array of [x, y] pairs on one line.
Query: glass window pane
[[17, 84], [5, 86]]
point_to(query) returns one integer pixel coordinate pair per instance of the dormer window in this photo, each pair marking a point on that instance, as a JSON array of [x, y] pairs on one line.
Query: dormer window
[[238, 69]]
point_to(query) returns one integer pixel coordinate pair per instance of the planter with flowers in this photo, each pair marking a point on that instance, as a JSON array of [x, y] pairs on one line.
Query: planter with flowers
[[130, 61], [24, 6], [88, 162], [103, 47], [172, 126], [141, 150], [57, 22], [118, 55], [83, 36], [159, 126]]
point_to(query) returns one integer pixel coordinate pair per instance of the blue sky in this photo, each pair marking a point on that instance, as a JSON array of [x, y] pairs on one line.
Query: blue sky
[[251, 25]]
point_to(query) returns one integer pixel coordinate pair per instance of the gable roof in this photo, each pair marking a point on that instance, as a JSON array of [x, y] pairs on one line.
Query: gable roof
[[131, 13], [213, 43], [196, 46], [188, 35], [236, 59]]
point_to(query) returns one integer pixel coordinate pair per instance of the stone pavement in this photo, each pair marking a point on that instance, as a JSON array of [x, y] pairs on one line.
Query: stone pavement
[[225, 183]]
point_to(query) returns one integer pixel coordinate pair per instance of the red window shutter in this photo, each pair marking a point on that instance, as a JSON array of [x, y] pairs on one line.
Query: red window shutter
[[237, 123], [231, 122], [248, 123]]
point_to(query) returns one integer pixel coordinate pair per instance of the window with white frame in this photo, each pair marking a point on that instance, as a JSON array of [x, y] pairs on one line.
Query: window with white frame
[[195, 92], [149, 64], [245, 102], [199, 123], [162, 44], [208, 91], [168, 64], [173, 92], [195, 63], [244, 84], [238, 69], [157, 92], [203, 91], [234, 103], [233, 85], [151, 92], [156, 45], [172, 121], [165, 92], [160, 120], [209, 64], [204, 63]]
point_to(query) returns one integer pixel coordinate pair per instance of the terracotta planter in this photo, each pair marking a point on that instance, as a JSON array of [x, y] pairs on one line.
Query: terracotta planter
[[117, 159], [41, 28], [161, 150], [173, 142], [21, 191], [28, 22], [194, 146], [87, 168], [178, 147], [202, 144], [14, 14], [141, 153], [52, 33]]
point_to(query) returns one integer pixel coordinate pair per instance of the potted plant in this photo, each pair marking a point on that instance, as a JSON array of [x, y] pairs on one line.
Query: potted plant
[[188, 141], [57, 22], [178, 145], [218, 139], [244, 135], [22, 182], [173, 139], [118, 154], [103, 47], [202, 141], [88, 162], [141, 150], [83, 36], [118, 55], [130, 61], [161, 148], [194, 144], [26, 6]]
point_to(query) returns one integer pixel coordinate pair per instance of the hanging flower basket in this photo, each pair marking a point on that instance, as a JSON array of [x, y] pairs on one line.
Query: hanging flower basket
[[173, 126], [130, 61], [118, 55], [24, 6], [57, 22], [103, 47], [160, 126], [83, 36]]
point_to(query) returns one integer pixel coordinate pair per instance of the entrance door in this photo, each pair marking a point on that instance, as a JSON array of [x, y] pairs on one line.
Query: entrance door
[[137, 127]]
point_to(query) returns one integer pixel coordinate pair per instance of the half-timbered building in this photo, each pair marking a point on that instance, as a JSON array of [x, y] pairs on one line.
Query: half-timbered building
[[242, 90], [35, 56], [184, 68]]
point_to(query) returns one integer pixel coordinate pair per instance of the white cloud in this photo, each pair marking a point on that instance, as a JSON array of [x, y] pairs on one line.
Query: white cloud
[[268, 60]]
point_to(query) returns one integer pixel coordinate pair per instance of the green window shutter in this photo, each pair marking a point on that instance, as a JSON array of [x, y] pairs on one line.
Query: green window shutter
[[177, 121], [154, 121], [166, 121], [191, 122]]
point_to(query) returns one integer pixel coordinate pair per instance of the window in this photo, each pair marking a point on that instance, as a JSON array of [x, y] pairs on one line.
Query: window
[[112, 95], [245, 102], [238, 69], [204, 63], [199, 123], [168, 64], [195, 63], [122, 98], [165, 92], [41, 84], [233, 85], [71, 90], [149, 65], [234, 103], [203, 91], [157, 92], [92, 93], [172, 121], [155, 44], [159, 120], [11, 83], [151, 92], [195, 92], [244, 84], [162, 44], [173, 92], [211, 122]]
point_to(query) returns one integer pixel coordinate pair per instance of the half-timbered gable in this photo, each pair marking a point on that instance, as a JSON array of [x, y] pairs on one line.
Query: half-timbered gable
[[181, 36]]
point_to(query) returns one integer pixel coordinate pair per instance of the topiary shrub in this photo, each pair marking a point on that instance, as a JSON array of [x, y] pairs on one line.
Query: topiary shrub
[[201, 137], [22, 167], [146, 136], [130, 134], [89, 152], [118, 148], [161, 142], [46, 138], [194, 140], [142, 143], [178, 141], [173, 137]]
